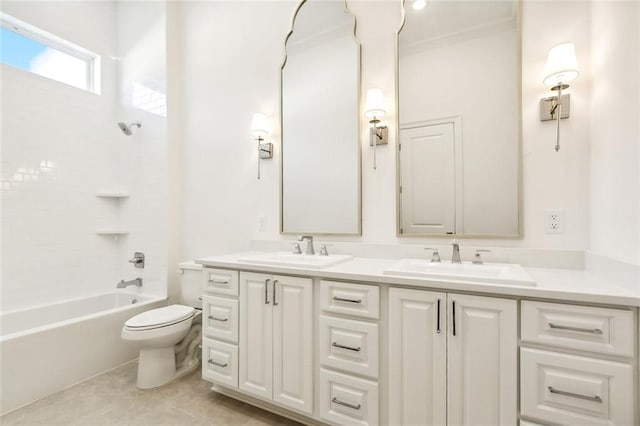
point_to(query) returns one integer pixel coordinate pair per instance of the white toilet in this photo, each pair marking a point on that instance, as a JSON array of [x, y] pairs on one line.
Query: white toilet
[[169, 337]]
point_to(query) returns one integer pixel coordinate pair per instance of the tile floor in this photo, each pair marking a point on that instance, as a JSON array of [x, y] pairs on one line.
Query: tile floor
[[113, 399]]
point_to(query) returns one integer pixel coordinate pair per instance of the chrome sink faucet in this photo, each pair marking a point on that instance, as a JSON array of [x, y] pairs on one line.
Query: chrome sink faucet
[[309, 239], [455, 256]]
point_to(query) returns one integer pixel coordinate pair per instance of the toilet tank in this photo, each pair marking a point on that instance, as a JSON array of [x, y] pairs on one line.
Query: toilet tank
[[191, 284]]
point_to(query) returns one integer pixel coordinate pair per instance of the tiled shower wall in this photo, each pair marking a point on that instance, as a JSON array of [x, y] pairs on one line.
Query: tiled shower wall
[[60, 146]]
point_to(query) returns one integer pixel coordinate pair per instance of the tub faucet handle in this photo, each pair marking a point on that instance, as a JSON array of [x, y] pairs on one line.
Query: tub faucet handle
[[138, 259]]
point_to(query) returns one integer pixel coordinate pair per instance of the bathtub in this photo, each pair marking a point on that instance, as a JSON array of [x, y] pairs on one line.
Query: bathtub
[[47, 348]]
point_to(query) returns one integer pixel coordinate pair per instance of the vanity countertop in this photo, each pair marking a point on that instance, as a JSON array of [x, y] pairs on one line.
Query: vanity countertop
[[557, 284]]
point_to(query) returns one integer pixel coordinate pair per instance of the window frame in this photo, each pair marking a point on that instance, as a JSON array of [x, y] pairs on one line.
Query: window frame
[[91, 59]]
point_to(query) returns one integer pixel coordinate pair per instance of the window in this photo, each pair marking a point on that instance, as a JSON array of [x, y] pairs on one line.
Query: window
[[31, 49]]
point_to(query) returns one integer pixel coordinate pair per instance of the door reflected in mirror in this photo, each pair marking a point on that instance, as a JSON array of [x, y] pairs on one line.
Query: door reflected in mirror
[[320, 95], [459, 119]]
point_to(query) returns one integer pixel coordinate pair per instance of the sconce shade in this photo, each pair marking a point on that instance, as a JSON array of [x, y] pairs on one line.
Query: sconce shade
[[374, 105], [562, 66], [259, 125], [419, 4]]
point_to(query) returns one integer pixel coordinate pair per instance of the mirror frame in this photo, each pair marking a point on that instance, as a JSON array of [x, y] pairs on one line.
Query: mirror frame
[[358, 142], [519, 234]]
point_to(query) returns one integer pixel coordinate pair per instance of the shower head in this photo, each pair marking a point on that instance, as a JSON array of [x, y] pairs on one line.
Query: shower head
[[126, 129]]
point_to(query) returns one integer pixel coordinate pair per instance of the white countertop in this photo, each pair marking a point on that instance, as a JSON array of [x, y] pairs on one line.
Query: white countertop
[[557, 284]]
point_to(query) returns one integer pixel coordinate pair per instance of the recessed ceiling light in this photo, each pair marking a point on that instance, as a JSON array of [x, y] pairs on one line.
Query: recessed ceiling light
[[419, 4]]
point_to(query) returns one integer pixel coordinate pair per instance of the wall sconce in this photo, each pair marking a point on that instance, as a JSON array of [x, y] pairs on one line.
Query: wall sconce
[[561, 68], [374, 109], [260, 129]]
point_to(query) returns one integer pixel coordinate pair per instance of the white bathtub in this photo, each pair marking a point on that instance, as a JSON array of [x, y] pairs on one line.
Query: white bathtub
[[47, 348]]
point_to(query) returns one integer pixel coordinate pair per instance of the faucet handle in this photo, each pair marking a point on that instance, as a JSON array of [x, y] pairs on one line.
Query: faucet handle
[[324, 251], [296, 248], [435, 256], [477, 258]]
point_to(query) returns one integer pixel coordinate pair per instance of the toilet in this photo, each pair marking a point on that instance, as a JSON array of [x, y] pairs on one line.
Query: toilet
[[169, 337]]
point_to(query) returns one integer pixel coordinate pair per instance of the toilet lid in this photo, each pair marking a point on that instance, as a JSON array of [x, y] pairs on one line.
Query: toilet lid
[[160, 316]]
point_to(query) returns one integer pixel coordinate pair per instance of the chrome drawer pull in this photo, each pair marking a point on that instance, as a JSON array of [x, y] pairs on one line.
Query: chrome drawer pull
[[336, 345], [217, 363], [218, 281], [575, 395], [211, 317], [340, 299], [582, 330], [346, 404]]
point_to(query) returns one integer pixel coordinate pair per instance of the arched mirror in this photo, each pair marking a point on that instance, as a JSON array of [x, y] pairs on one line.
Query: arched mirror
[[320, 92], [459, 118]]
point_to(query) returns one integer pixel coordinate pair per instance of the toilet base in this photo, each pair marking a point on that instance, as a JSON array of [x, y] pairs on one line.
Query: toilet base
[[156, 367]]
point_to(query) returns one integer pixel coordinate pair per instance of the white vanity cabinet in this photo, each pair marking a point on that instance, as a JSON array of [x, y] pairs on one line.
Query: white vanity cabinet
[[344, 350], [276, 339], [452, 359]]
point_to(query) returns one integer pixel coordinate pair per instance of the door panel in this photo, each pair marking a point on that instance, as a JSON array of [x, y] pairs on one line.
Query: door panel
[[428, 179], [293, 342], [417, 358], [256, 334], [482, 355]]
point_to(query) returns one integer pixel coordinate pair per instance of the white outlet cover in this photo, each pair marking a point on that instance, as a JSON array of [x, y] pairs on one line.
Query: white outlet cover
[[554, 221]]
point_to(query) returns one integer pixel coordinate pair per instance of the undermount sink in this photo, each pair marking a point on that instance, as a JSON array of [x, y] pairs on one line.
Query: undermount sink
[[488, 273], [297, 260]]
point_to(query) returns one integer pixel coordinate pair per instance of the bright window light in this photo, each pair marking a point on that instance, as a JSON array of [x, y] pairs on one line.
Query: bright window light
[[33, 50]]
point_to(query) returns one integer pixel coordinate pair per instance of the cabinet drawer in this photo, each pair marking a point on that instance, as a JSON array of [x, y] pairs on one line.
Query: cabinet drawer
[[359, 300], [347, 400], [220, 362], [220, 318], [574, 390], [349, 345], [585, 328], [220, 281]]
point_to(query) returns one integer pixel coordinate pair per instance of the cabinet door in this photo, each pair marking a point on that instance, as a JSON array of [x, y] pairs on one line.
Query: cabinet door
[[417, 357], [256, 334], [482, 355], [293, 342]]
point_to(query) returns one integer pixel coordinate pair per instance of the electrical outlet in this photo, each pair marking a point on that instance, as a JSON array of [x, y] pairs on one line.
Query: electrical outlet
[[554, 221], [262, 221]]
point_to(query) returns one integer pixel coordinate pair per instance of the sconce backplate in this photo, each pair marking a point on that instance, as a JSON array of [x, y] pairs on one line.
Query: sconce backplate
[[266, 150], [382, 138], [547, 104]]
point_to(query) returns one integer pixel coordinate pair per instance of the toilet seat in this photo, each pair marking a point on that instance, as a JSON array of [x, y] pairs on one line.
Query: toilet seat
[[160, 317]]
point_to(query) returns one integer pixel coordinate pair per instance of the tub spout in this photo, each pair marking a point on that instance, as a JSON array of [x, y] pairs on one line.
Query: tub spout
[[137, 282]]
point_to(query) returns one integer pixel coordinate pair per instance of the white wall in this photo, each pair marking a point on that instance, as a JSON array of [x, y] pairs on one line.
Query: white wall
[[50, 250], [615, 137], [232, 52]]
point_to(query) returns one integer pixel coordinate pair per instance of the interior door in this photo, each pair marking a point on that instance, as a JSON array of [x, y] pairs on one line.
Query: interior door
[[417, 357], [293, 342], [428, 179], [256, 331]]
